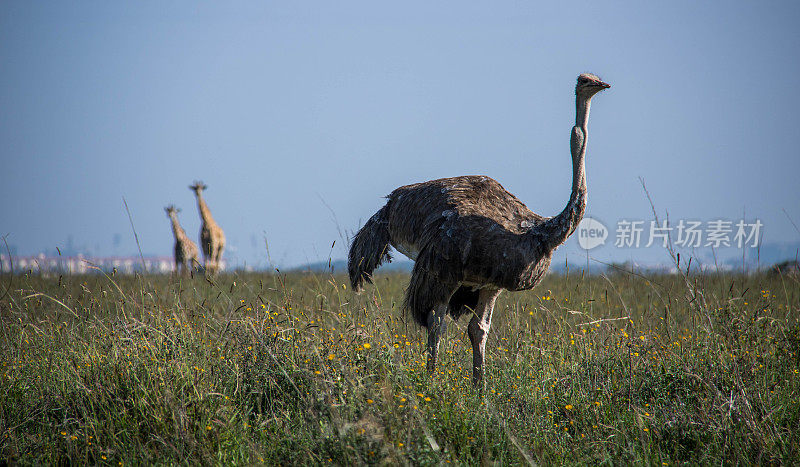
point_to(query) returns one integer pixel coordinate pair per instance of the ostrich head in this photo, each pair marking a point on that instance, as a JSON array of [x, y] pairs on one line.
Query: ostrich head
[[198, 187], [171, 209], [589, 85]]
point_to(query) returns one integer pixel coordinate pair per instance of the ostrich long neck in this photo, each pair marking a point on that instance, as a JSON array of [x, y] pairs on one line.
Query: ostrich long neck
[[205, 213], [557, 229]]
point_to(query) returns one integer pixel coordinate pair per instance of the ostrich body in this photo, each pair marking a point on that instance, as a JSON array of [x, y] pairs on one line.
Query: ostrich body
[[212, 238], [185, 250], [470, 239]]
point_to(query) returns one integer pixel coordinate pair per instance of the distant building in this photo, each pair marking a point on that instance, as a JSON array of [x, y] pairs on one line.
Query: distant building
[[87, 265]]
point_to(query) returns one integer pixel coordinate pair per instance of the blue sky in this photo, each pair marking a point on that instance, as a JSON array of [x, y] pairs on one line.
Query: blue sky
[[300, 116]]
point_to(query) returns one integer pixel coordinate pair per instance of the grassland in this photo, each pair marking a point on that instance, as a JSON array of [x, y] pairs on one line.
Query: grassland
[[273, 368]]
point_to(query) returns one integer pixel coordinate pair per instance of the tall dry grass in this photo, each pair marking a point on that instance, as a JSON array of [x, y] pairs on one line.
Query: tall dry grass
[[253, 368]]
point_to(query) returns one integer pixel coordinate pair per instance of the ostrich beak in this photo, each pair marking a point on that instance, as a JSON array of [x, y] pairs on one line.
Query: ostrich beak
[[603, 85]]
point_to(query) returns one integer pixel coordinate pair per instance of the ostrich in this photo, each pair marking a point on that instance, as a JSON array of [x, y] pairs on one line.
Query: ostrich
[[185, 249], [470, 239], [212, 239]]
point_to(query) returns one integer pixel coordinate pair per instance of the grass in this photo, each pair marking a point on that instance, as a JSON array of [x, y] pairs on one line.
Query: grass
[[295, 369]]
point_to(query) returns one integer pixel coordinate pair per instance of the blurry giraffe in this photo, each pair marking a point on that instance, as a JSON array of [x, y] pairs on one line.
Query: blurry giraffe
[[185, 249], [212, 239]]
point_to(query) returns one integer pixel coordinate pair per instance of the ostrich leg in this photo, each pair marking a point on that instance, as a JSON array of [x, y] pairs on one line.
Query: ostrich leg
[[479, 332], [436, 326]]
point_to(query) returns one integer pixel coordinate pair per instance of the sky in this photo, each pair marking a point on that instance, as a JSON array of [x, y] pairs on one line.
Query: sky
[[301, 116]]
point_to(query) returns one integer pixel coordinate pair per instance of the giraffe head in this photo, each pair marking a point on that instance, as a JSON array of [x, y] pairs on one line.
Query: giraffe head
[[171, 209], [198, 187]]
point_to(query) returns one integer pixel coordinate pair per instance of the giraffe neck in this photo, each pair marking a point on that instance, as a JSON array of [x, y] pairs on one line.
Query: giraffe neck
[[205, 213], [177, 230], [557, 229]]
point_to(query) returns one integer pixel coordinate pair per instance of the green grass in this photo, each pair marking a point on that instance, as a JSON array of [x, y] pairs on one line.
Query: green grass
[[297, 369]]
